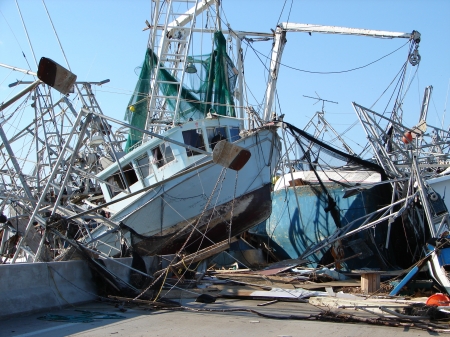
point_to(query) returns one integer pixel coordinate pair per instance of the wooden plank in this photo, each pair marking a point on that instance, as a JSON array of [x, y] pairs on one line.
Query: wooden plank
[[346, 283], [251, 278], [281, 266], [201, 254]]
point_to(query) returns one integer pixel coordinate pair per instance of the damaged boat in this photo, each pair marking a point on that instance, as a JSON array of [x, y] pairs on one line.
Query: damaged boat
[[182, 174], [189, 202], [325, 197], [310, 206]]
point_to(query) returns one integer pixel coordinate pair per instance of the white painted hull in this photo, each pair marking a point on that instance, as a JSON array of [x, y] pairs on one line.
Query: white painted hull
[[177, 206]]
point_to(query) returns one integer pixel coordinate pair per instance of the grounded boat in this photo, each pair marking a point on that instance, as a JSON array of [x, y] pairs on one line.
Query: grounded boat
[[301, 216], [182, 174], [193, 202], [212, 202]]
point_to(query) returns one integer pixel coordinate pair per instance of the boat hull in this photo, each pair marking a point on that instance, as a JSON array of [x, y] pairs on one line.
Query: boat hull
[[291, 230], [211, 227], [208, 200]]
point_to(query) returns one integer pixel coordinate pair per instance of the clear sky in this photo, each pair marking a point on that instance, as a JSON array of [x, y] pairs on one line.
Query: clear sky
[[103, 39]]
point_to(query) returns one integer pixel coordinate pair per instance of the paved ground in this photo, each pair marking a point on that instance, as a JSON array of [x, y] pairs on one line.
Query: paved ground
[[141, 322]]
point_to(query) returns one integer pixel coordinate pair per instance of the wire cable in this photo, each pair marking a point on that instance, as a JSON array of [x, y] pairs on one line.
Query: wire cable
[[334, 72]]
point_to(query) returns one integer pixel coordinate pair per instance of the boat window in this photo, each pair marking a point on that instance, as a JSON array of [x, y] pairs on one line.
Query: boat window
[[162, 155], [234, 134], [117, 181], [130, 174], [193, 138], [215, 135], [144, 166], [115, 185], [167, 152]]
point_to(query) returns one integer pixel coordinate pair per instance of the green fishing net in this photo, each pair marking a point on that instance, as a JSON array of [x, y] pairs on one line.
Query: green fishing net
[[207, 88]]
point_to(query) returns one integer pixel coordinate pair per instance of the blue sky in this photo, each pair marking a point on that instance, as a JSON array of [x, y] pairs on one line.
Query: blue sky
[[104, 39]]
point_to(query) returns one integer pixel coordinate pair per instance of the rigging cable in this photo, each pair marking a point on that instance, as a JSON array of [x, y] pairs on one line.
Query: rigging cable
[[334, 72], [56, 34], [282, 9], [15, 37], [26, 33], [401, 71], [289, 15]]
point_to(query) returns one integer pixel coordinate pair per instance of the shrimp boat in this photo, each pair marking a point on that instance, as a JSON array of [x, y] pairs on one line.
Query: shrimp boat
[[316, 198], [315, 216], [181, 174], [183, 110]]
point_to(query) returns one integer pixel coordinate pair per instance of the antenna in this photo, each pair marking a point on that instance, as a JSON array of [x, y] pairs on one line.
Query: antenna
[[320, 99]]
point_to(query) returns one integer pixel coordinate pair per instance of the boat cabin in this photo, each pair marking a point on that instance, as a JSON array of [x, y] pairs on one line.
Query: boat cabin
[[155, 159]]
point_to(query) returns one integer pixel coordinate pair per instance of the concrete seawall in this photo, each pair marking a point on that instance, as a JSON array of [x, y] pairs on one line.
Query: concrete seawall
[[31, 287]]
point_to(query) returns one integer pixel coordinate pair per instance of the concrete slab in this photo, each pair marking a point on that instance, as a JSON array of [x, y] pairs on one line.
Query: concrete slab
[[140, 322]]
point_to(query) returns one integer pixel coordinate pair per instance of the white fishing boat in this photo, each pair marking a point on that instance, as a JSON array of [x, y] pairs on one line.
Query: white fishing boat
[[190, 174], [187, 197]]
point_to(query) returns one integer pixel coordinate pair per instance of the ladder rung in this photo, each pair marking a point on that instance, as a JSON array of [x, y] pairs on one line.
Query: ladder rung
[[171, 68], [172, 60], [56, 187], [169, 54], [177, 40], [166, 97], [167, 82]]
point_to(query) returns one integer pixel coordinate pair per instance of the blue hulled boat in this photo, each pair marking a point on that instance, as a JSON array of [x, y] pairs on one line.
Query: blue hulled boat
[[302, 217]]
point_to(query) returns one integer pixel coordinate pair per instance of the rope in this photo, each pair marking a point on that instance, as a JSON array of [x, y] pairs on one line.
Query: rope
[[185, 243]]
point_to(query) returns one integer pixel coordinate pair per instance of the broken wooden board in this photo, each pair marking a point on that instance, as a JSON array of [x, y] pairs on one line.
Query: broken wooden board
[[344, 303], [313, 285], [188, 293], [201, 255], [259, 279], [281, 266]]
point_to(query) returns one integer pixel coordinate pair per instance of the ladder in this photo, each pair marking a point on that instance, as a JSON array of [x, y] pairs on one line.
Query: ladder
[[171, 46]]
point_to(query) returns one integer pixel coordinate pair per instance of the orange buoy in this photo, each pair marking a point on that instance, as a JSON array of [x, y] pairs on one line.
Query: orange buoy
[[439, 300], [407, 137]]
